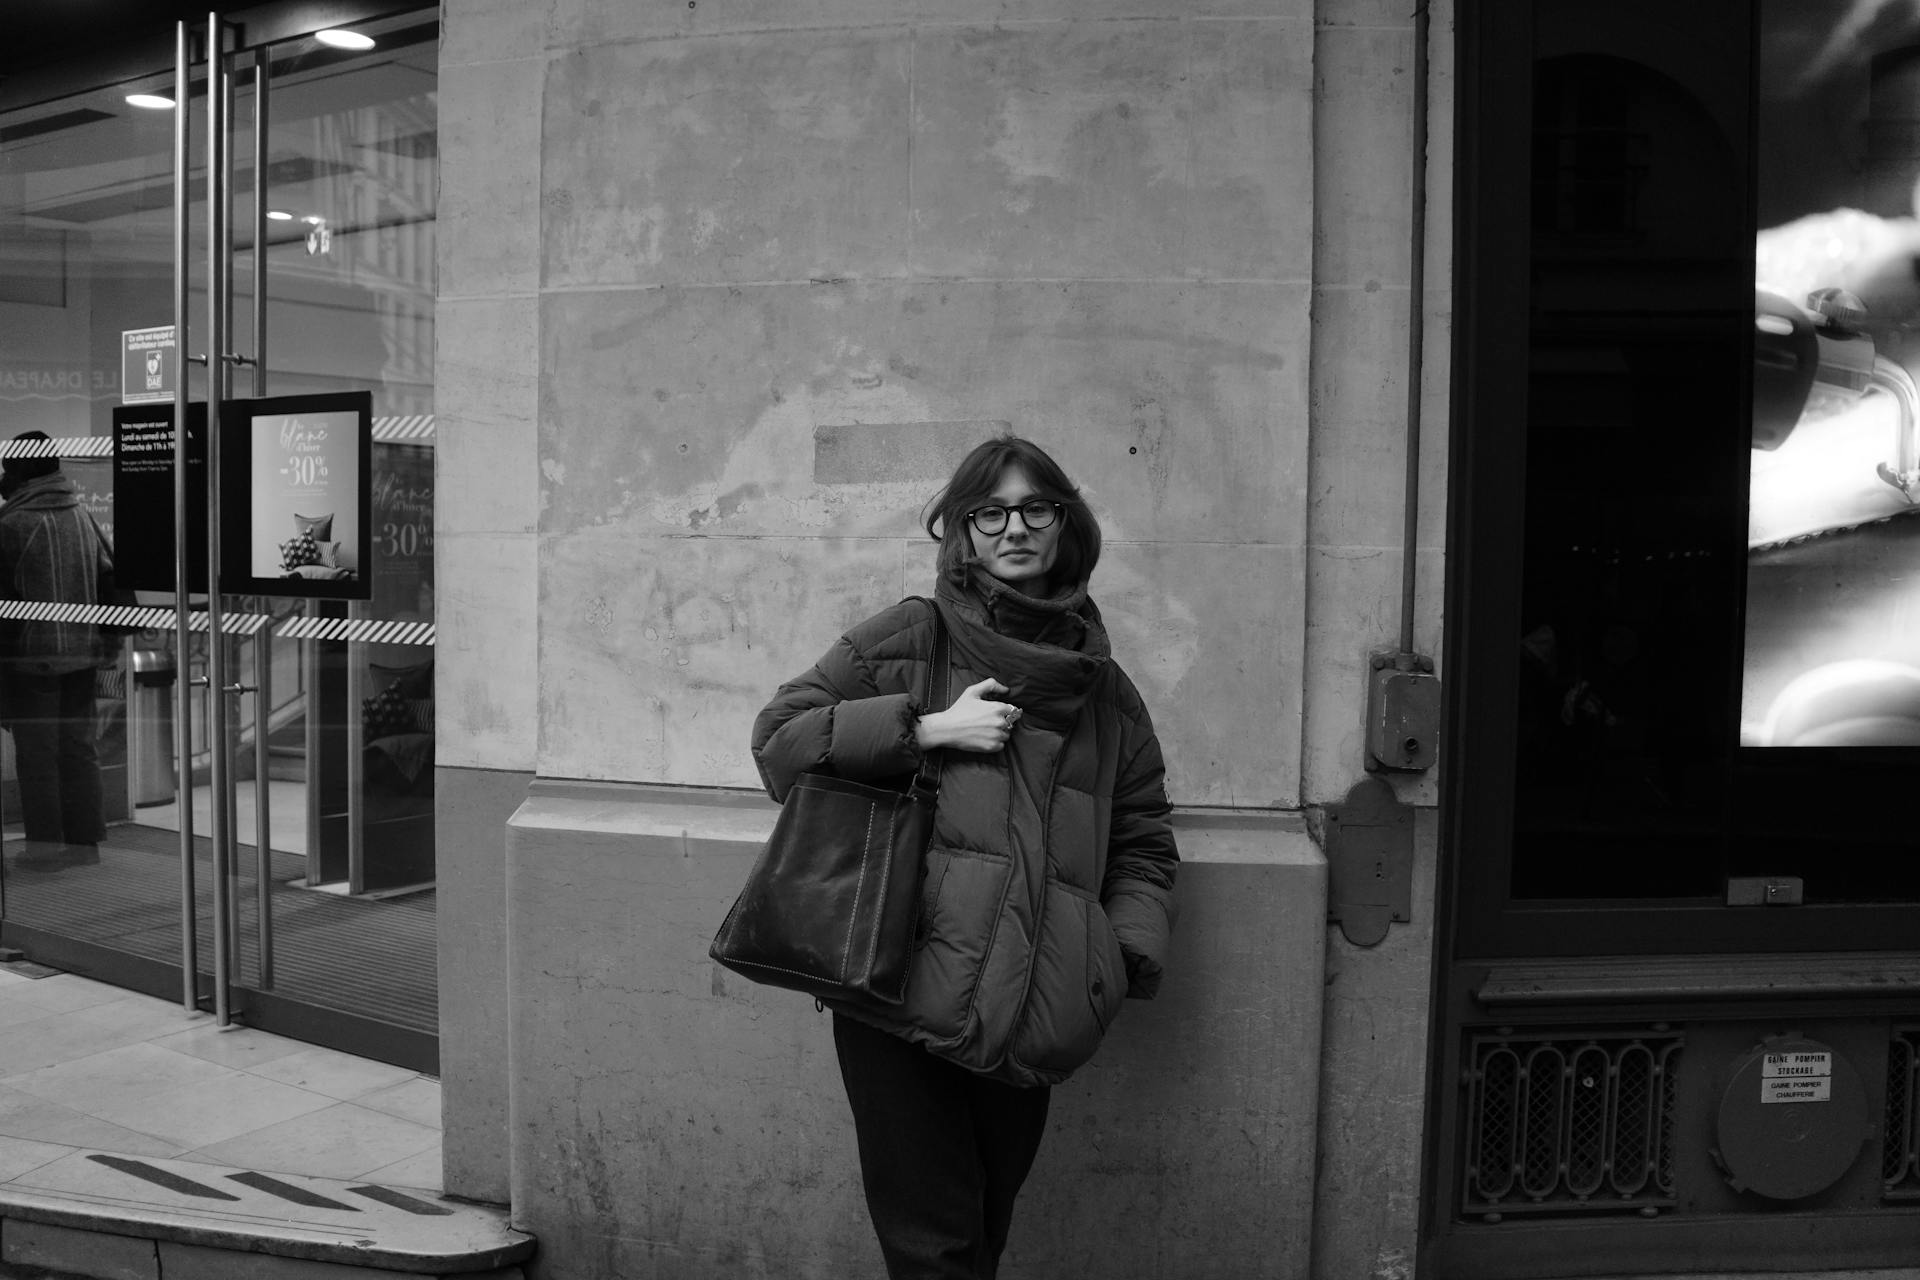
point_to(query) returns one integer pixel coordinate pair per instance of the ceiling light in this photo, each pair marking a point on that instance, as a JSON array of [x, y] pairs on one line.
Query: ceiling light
[[280, 215], [313, 219], [151, 101], [340, 38]]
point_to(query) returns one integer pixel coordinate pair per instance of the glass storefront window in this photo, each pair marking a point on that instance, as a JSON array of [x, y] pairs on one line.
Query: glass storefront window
[[1704, 435], [86, 243]]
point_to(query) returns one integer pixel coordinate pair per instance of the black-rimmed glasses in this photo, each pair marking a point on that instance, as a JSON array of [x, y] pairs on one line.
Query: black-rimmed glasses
[[1037, 513]]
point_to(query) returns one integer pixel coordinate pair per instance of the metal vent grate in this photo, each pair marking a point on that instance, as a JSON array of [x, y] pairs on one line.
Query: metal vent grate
[[1900, 1152], [1572, 1122]]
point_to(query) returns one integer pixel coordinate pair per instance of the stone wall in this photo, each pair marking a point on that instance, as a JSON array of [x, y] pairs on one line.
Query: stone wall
[[1097, 232], [1374, 1042]]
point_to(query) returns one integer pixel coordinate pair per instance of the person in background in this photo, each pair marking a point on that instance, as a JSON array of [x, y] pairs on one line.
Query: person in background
[[51, 551], [1049, 882]]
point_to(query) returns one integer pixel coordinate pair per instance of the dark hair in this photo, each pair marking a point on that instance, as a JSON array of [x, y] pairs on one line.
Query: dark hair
[[22, 469], [973, 482]]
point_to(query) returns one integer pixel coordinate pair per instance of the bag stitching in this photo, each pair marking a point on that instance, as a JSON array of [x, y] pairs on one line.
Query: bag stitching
[[886, 876], [853, 914]]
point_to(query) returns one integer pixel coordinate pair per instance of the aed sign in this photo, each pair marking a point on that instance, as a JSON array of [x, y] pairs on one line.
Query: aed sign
[[1797, 1077], [149, 365]]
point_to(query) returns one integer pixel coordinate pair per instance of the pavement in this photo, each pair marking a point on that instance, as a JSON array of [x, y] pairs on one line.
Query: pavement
[[131, 1116]]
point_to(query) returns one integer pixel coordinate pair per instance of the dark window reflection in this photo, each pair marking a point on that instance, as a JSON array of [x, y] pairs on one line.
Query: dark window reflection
[[1693, 543], [1633, 494]]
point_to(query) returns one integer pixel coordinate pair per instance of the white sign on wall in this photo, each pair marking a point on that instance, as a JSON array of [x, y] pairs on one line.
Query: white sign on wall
[[149, 364], [1796, 1077]]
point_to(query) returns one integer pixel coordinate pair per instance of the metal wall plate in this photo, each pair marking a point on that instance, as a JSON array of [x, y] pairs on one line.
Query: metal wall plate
[[1368, 840]]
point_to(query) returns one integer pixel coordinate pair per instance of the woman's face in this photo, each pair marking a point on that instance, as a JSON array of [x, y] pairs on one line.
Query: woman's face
[[1017, 555]]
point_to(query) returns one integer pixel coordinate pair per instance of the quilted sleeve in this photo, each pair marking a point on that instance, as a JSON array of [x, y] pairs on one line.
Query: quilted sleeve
[[834, 719], [1142, 860]]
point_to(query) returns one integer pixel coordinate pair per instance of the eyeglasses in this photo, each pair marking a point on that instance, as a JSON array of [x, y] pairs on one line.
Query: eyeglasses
[[1035, 514]]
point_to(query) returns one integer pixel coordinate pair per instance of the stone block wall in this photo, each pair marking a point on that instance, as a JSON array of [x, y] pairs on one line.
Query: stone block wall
[[1097, 232], [1374, 1041]]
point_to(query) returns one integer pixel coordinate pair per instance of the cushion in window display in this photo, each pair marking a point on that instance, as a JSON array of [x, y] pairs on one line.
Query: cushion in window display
[[398, 725], [404, 703], [320, 528], [298, 551], [304, 556], [387, 713]]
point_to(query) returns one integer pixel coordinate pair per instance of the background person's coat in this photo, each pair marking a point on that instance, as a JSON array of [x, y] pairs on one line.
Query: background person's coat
[[1051, 872], [50, 550]]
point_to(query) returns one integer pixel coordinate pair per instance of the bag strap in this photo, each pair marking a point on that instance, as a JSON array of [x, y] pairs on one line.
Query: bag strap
[[926, 781]]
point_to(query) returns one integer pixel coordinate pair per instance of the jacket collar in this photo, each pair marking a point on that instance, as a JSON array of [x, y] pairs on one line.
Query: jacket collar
[[1047, 651], [48, 492]]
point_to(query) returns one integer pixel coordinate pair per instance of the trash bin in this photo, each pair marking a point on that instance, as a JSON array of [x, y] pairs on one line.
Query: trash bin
[[150, 726]]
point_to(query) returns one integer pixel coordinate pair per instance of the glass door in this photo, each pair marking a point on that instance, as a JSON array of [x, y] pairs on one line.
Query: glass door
[[263, 810]]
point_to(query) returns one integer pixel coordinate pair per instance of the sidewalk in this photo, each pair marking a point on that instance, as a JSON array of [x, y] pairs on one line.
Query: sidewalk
[[143, 1140], [86, 1065]]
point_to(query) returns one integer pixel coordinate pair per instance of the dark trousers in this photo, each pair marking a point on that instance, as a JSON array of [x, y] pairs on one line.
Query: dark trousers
[[942, 1153], [52, 722]]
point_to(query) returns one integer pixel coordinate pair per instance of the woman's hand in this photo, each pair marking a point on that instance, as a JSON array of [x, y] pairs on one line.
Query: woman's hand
[[974, 722]]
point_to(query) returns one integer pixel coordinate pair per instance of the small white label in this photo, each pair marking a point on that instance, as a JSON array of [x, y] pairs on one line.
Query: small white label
[[1820, 1090], [1796, 1077]]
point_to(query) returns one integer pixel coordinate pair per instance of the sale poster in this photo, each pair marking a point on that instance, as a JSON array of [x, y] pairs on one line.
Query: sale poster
[[295, 472], [306, 488]]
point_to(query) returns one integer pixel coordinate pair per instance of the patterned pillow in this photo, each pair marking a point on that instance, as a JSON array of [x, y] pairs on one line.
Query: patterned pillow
[[386, 713], [297, 551]]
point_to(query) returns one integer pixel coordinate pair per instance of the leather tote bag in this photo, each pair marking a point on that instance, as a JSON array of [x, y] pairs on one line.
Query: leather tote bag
[[830, 905]]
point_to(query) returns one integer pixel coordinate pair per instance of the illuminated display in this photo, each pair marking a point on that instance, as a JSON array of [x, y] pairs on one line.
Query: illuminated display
[[297, 481], [1832, 630]]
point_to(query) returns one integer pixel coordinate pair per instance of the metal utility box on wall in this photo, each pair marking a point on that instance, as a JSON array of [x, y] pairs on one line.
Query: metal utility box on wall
[[1403, 713]]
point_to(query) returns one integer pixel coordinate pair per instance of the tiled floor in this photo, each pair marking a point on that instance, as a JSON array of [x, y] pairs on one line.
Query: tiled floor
[[88, 1066], [286, 814]]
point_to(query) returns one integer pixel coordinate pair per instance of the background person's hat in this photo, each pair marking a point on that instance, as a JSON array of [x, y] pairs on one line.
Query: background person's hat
[[30, 468]]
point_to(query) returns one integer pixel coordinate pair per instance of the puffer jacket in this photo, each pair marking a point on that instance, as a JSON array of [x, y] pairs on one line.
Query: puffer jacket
[[1050, 875], [50, 550]]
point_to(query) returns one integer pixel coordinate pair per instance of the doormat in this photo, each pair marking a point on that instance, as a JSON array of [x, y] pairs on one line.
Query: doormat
[[23, 968]]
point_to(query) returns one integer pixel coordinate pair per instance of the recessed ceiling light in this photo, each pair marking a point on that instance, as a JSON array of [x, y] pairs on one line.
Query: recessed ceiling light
[[279, 215], [340, 38], [151, 101]]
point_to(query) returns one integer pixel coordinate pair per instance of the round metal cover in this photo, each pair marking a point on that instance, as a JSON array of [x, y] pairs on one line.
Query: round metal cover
[[1792, 1120]]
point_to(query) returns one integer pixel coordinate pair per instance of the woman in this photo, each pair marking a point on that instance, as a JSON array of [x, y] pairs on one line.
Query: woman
[[1049, 881]]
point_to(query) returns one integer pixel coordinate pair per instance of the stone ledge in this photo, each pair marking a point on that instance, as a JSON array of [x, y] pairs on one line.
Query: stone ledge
[[1276, 837]]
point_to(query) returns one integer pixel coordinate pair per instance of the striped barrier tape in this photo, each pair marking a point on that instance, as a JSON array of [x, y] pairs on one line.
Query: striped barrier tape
[[143, 618], [416, 428], [63, 447], [364, 630], [133, 617]]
